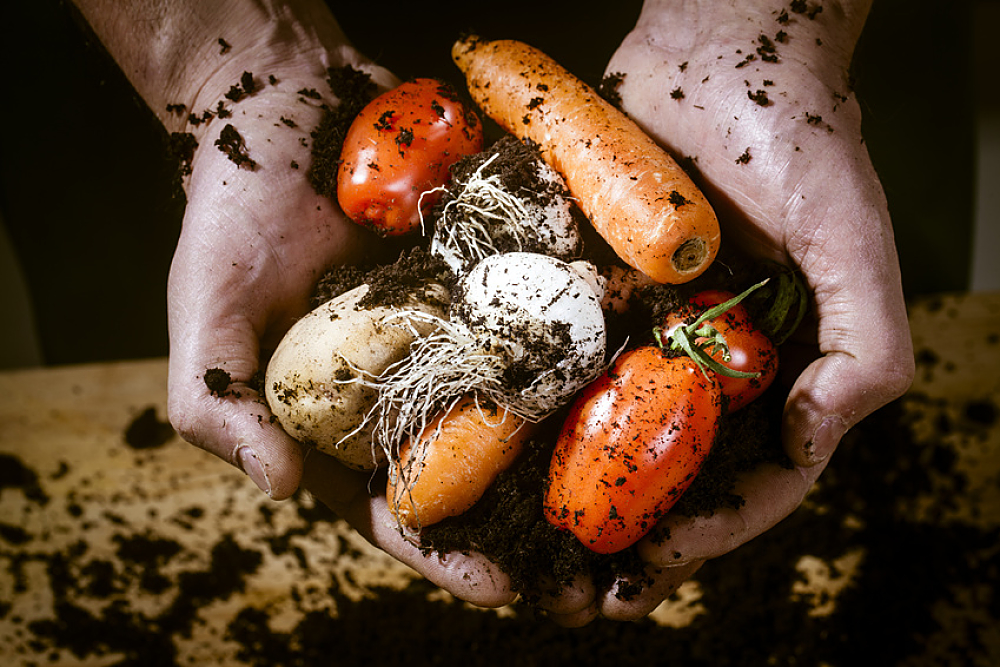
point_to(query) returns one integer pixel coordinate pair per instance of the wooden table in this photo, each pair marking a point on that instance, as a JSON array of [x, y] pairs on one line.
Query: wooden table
[[141, 554]]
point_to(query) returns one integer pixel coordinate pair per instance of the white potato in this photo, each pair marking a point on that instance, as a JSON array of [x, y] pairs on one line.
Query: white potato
[[311, 381]]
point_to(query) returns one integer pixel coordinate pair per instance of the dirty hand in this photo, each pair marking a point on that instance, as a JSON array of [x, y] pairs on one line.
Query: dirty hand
[[255, 238], [756, 93]]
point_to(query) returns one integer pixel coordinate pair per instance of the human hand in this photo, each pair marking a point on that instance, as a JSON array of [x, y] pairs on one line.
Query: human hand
[[255, 239], [757, 94]]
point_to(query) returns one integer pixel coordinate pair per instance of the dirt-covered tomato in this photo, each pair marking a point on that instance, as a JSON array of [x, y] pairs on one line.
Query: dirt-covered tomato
[[633, 442], [730, 339], [400, 146]]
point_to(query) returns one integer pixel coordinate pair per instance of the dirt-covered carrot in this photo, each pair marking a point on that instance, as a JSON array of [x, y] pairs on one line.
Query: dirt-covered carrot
[[633, 192], [460, 455]]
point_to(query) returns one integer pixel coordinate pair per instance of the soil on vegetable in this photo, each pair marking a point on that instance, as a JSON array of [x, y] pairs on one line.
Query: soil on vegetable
[[353, 90], [507, 524], [514, 165]]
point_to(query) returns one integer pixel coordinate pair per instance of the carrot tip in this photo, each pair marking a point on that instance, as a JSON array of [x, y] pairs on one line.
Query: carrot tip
[[690, 255]]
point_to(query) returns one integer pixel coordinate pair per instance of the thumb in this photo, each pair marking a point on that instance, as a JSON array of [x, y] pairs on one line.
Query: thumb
[[867, 361], [214, 404]]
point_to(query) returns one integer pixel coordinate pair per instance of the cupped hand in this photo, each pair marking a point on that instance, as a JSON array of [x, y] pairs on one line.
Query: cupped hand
[[756, 96], [255, 239]]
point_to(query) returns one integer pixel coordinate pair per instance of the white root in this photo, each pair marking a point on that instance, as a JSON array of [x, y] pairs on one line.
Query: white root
[[318, 382], [525, 331], [462, 232], [483, 211], [442, 366]]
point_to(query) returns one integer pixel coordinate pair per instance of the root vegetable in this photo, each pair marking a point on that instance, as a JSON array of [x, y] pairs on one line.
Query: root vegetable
[[315, 381], [506, 199], [458, 459], [524, 330], [622, 284], [633, 192]]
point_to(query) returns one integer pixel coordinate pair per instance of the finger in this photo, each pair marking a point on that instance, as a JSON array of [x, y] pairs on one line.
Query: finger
[[635, 597], [235, 424], [567, 598], [468, 576], [863, 334], [211, 315], [576, 619], [770, 494]]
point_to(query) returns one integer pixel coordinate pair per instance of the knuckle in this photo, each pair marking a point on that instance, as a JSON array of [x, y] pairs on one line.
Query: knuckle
[[896, 373], [194, 424]]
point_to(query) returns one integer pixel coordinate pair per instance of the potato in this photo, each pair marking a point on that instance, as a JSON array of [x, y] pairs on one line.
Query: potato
[[308, 383]]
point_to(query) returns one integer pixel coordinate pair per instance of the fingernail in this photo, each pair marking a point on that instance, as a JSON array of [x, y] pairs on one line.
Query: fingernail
[[254, 468], [825, 440]]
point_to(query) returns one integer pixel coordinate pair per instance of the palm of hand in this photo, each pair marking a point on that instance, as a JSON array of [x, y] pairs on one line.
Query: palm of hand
[[255, 239], [767, 117], [762, 107]]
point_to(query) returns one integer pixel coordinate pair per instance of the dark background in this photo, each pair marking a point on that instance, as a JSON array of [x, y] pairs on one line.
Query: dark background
[[86, 185]]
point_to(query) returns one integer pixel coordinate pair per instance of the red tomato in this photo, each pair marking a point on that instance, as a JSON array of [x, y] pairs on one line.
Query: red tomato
[[633, 442], [749, 350], [400, 146]]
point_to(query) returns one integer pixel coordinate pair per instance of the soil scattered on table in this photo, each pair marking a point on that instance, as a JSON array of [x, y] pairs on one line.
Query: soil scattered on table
[[147, 431], [907, 601]]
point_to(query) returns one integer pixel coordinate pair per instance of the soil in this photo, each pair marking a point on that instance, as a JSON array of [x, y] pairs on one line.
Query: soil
[[148, 431], [354, 89]]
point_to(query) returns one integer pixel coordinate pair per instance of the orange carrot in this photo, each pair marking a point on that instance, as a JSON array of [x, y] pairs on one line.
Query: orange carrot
[[459, 457], [636, 196]]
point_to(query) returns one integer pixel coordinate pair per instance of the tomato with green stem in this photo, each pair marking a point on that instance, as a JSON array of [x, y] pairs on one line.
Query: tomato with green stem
[[632, 443], [715, 330], [398, 152]]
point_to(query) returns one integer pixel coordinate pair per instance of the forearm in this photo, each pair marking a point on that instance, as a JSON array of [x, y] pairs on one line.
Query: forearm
[[189, 52]]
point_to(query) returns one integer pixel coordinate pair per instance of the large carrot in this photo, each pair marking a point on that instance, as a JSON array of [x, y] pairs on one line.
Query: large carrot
[[633, 192], [461, 454]]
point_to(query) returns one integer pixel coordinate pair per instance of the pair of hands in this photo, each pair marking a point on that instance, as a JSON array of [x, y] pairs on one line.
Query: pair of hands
[[775, 133]]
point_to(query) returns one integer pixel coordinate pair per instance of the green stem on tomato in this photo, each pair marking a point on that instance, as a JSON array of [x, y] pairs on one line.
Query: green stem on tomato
[[684, 338]]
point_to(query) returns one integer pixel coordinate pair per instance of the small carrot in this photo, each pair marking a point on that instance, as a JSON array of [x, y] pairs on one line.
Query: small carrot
[[636, 196], [462, 452]]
